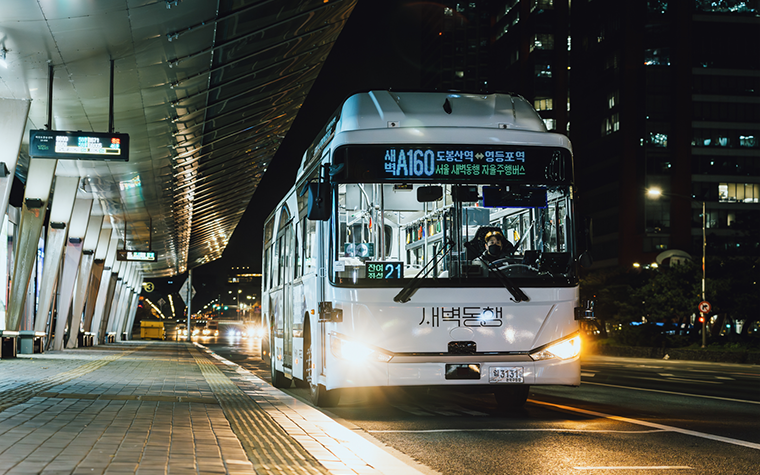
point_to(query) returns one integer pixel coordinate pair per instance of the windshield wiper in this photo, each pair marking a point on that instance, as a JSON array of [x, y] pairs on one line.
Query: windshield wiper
[[410, 289], [517, 293]]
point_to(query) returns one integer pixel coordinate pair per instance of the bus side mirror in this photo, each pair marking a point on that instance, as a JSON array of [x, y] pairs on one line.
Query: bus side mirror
[[585, 260], [318, 206]]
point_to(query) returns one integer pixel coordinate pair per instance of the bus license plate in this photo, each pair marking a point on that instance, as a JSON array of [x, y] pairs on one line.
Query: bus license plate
[[512, 374]]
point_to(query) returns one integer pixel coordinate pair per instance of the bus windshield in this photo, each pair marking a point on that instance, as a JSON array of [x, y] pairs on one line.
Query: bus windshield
[[438, 233]]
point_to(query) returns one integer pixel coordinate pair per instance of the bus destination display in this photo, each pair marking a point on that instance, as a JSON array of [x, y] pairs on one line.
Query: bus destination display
[[385, 270], [478, 163], [78, 145]]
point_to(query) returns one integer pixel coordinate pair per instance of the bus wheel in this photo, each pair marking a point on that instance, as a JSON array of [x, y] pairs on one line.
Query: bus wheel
[[513, 397]]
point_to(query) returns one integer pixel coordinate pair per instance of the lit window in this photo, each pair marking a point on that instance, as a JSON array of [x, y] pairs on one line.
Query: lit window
[[543, 104], [543, 70], [739, 192], [611, 124], [612, 99], [542, 41], [550, 124], [658, 139]]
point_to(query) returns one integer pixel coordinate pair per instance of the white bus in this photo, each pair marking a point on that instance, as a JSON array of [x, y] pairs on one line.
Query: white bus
[[372, 269]]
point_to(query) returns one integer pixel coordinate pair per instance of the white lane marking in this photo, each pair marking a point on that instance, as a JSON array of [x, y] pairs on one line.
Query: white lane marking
[[694, 433], [587, 375], [666, 375], [718, 398], [659, 467], [441, 431], [681, 379], [725, 377]]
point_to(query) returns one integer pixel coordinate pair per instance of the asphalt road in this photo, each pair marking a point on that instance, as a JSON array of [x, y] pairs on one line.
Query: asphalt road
[[629, 416]]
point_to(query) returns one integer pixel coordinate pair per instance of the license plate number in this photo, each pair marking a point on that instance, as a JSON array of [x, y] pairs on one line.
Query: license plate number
[[512, 374]]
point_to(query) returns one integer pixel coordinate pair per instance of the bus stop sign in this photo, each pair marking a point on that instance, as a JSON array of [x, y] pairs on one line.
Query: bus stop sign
[[704, 306]]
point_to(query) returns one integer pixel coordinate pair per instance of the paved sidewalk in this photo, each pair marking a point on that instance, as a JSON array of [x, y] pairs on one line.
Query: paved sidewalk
[[137, 407]]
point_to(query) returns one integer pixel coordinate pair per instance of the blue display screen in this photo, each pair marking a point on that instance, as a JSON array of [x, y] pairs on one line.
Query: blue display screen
[[385, 270], [78, 145]]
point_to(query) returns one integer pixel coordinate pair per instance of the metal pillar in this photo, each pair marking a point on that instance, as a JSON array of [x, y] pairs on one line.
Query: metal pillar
[[79, 219], [95, 277], [98, 320], [60, 215], [83, 279], [39, 181], [13, 115], [123, 291]]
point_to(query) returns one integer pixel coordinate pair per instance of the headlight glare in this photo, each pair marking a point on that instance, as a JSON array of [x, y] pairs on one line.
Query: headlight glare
[[565, 349], [355, 352]]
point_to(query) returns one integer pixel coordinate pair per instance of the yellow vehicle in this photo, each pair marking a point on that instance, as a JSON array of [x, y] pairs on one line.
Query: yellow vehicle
[[152, 330]]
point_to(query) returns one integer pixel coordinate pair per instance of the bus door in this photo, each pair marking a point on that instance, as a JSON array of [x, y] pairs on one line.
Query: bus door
[[323, 233], [287, 263]]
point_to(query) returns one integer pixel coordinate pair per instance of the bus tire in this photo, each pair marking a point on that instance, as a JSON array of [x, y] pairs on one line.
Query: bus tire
[[321, 397], [512, 397]]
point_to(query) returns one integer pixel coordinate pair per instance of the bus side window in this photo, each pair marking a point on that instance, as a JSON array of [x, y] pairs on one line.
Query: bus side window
[[309, 246], [297, 250]]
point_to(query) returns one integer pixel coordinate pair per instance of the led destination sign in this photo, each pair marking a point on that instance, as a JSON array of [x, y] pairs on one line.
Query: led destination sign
[[140, 256], [445, 163], [78, 145]]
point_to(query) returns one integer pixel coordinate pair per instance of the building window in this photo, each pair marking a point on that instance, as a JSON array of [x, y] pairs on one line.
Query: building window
[[550, 124], [658, 139], [739, 192], [725, 6], [657, 57], [611, 124], [542, 41], [612, 99], [747, 141], [543, 70], [543, 104]]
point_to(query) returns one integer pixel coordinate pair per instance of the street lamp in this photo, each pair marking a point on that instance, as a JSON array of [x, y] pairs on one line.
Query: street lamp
[[655, 193]]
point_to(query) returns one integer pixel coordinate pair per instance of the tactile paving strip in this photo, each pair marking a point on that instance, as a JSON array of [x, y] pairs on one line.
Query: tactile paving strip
[[268, 445]]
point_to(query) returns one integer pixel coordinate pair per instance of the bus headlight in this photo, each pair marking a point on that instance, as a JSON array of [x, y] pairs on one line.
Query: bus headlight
[[355, 352], [564, 349]]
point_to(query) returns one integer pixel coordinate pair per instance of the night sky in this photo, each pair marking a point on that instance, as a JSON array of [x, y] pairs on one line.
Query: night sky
[[378, 49]]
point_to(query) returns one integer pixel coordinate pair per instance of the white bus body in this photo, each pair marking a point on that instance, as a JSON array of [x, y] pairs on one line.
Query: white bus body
[[386, 287]]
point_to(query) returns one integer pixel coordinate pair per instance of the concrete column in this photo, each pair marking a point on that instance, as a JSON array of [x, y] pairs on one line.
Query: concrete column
[[114, 293], [109, 256], [39, 181], [60, 215], [127, 305], [83, 279], [133, 302], [121, 302], [13, 115], [135, 299], [79, 219], [95, 277]]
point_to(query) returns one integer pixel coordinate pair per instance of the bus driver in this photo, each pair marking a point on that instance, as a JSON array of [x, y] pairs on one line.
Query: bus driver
[[496, 247]]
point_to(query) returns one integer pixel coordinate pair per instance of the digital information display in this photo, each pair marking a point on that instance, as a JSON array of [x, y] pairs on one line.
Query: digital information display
[[385, 270], [78, 145], [461, 163], [141, 256]]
